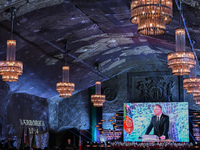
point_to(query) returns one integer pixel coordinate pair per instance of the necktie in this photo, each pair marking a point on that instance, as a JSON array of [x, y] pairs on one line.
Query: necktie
[[158, 119]]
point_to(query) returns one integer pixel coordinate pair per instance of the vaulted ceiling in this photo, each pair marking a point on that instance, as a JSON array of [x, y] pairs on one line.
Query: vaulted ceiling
[[93, 32]]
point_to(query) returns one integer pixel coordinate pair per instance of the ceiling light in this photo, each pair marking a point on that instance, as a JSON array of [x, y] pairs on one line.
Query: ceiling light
[[65, 88], [98, 99], [192, 85], [11, 69], [196, 97], [151, 15], [180, 61], [198, 102]]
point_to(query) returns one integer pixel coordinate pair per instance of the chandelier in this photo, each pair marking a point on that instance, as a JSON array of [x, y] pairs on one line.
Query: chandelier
[[151, 15], [98, 99], [180, 61], [65, 88], [192, 85], [198, 102], [196, 96], [11, 69]]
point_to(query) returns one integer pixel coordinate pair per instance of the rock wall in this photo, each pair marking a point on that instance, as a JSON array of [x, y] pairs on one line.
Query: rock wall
[[142, 84], [139, 84], [23, 111]]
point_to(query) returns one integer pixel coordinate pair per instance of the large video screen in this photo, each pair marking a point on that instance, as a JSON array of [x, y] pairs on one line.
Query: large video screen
[[138, 116]]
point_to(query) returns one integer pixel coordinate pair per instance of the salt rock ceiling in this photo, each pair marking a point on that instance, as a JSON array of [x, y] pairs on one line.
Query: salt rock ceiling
[[93, 32]]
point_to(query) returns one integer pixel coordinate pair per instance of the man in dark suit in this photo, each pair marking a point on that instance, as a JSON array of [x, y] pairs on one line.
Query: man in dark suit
[[69, 145], [160, 123]]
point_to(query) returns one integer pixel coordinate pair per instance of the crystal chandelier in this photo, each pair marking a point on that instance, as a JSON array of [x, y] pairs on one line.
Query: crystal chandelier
[[65, 88], [180, 61], [192, 84], [98, 99], [196, 96], [151, 15], [198, 102], [11, 69]]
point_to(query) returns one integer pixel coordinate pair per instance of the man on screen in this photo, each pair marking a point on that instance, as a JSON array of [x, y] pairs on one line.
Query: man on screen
[[160, 123]]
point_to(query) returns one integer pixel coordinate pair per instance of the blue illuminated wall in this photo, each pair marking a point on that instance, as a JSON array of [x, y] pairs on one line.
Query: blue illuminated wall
[[141, 114]]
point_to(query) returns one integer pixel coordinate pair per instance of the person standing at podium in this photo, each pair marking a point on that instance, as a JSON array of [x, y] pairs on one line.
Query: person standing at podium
[[160, 123]]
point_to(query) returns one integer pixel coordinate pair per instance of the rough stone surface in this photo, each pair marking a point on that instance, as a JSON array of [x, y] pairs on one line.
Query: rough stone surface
[[75, 112], [96, 32], [23, 111], [160, 86]]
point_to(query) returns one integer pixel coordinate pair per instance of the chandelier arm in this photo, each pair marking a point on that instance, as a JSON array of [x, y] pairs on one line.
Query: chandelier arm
[[188, 35]]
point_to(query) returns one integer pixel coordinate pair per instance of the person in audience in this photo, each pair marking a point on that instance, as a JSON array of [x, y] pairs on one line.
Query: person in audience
[[69, 145], [160, 123], [8, 144]]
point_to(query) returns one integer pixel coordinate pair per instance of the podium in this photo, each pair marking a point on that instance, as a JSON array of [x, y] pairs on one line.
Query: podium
[[154, 138], [150, 138]]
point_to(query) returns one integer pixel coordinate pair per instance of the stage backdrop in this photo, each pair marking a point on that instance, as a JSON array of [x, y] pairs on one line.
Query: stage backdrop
[[138, 116]]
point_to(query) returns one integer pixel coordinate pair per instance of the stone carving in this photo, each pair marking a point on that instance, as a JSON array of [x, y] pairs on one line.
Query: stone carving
[[155, 89], [110, 94]]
